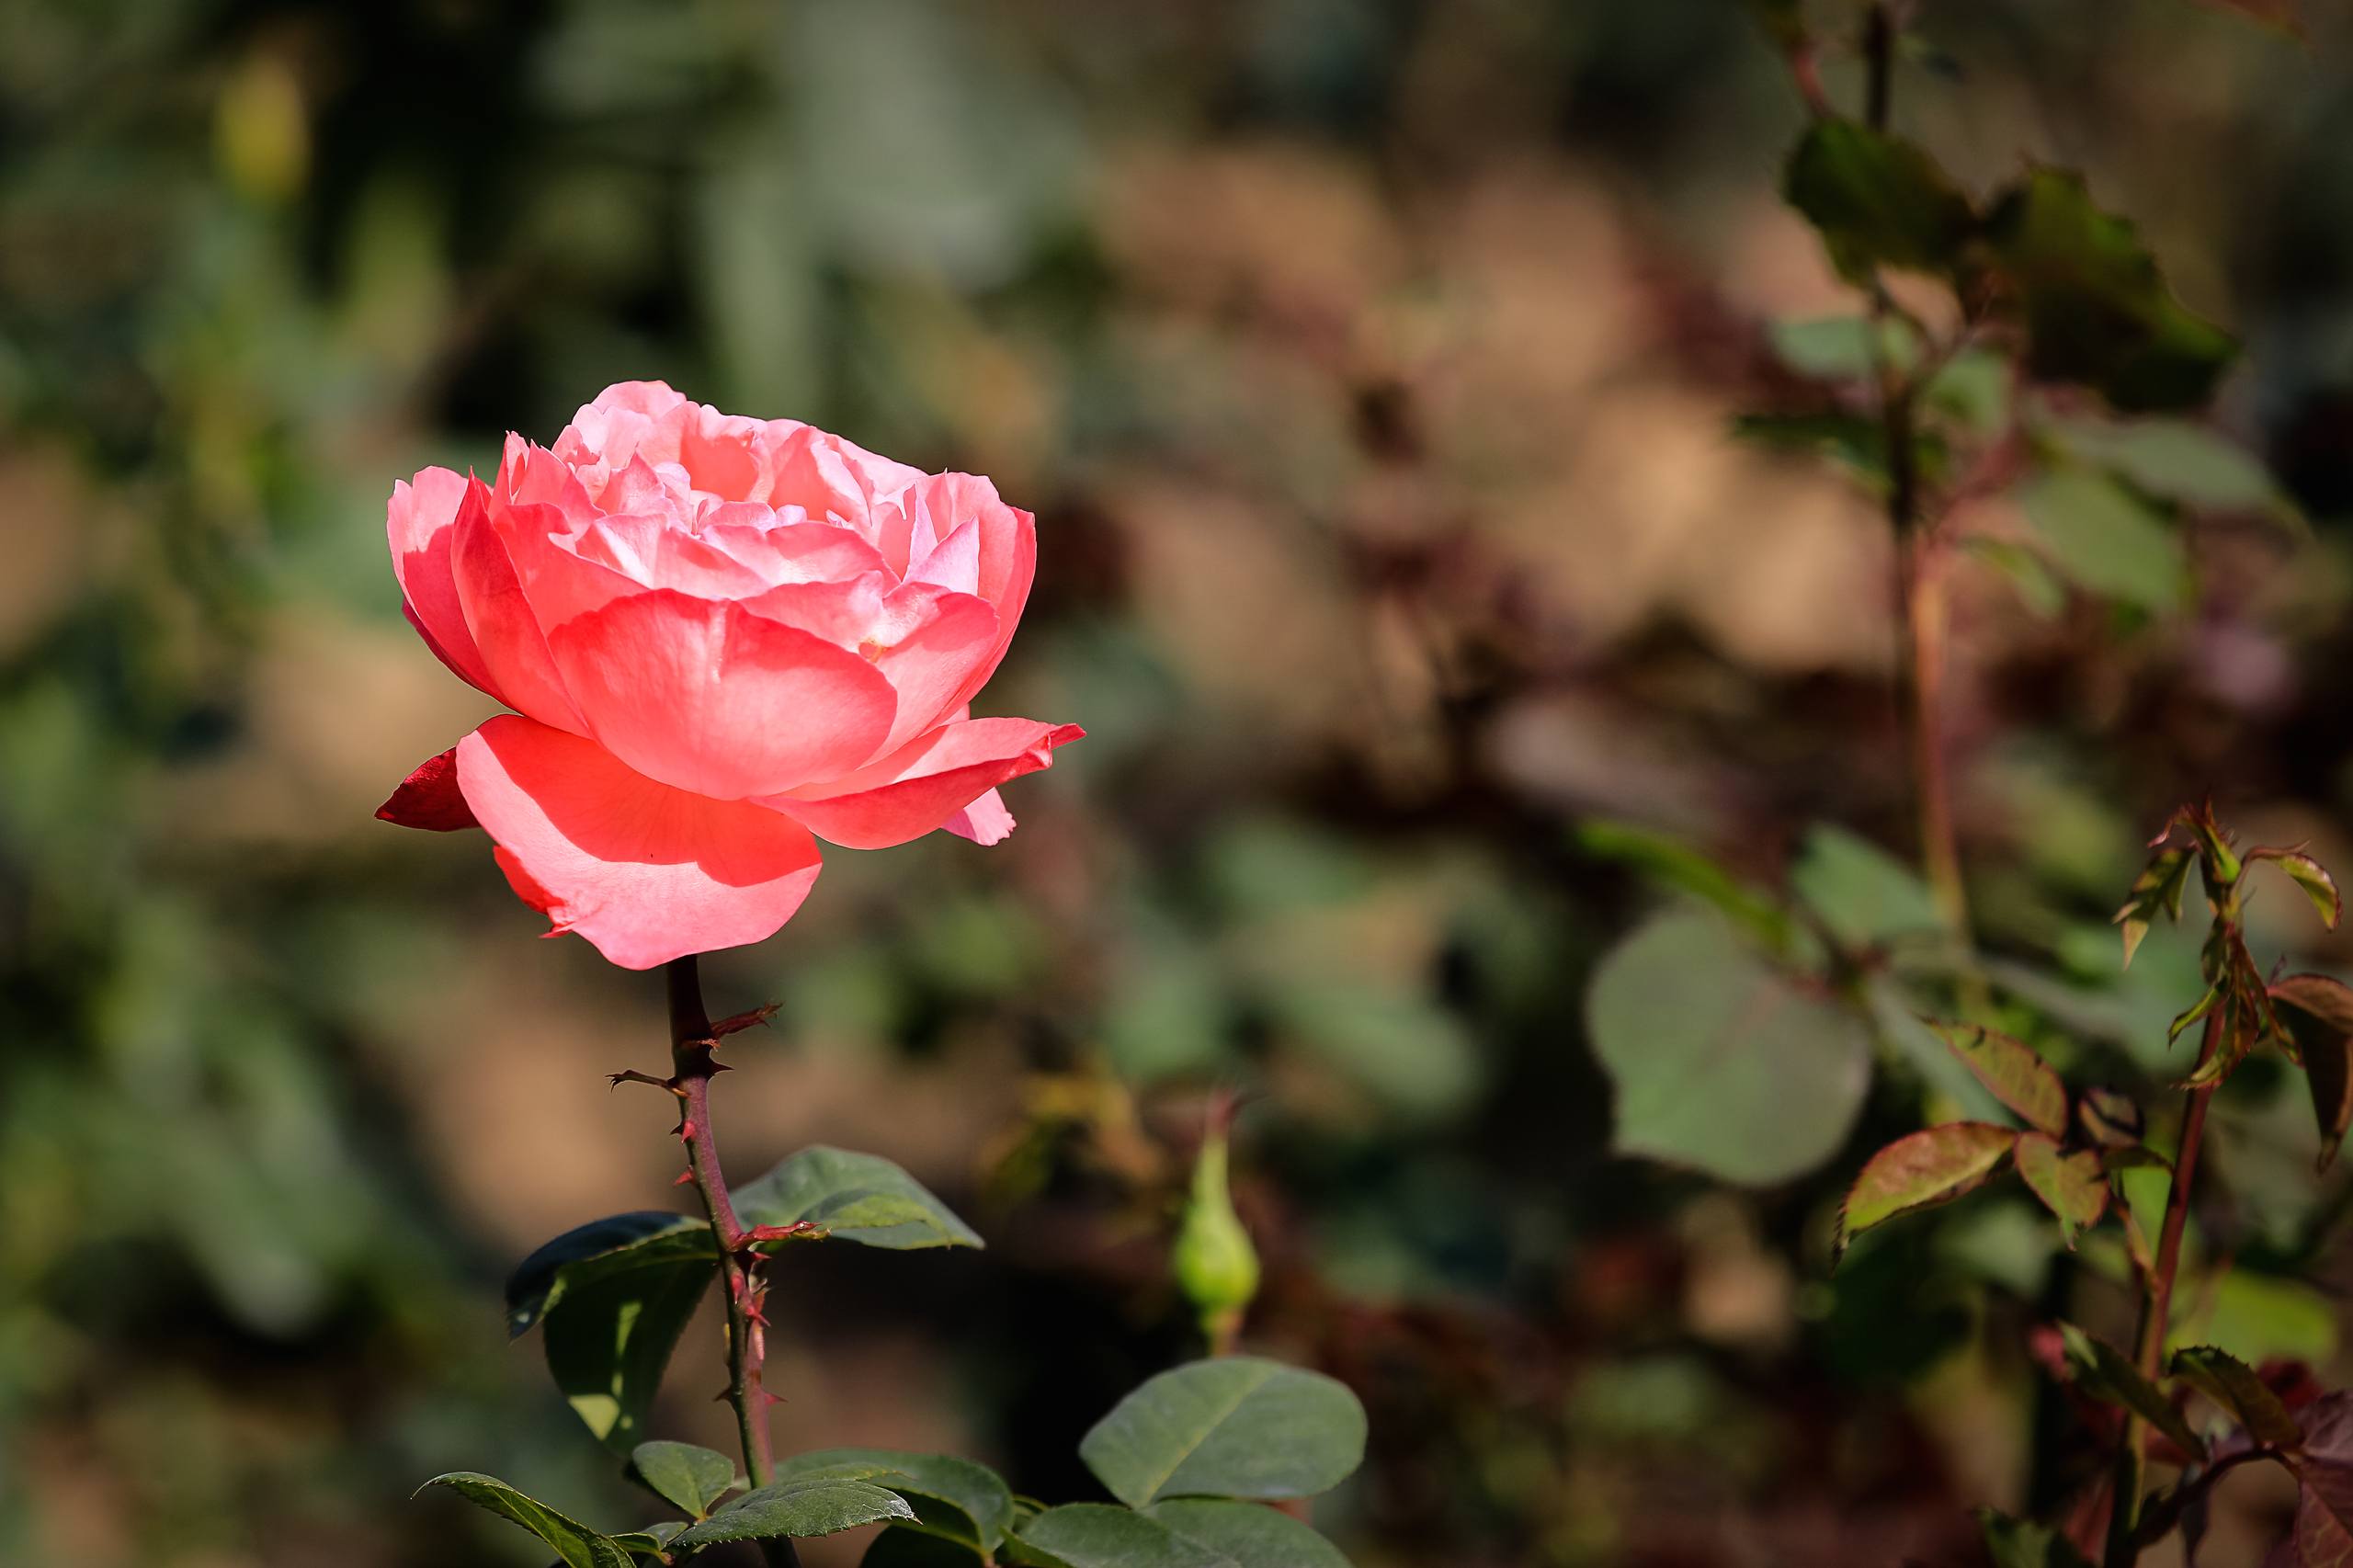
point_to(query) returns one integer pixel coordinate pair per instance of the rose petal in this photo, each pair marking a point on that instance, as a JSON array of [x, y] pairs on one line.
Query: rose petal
[[429, 798], [985, 821], [923, 785], [420, 522], [646, 872], [505, 627], [1007, 541], [707, 696], [934, 644]]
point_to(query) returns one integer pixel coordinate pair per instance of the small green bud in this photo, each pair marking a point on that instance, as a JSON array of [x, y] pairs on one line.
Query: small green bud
[[1215, 1264]]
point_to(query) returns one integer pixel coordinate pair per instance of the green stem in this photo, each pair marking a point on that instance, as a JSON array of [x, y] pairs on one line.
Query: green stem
[[2156, 1308], [692, 1069]]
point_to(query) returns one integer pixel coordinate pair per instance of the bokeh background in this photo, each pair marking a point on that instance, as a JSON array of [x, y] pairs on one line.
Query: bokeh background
[[1370, 364]]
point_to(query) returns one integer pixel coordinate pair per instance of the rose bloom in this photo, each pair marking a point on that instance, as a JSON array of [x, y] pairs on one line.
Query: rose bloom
[[720, 636]]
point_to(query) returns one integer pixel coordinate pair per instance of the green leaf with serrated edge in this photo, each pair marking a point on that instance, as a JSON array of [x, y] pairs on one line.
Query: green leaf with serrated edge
[[2022, 1543], [1236, 1426], [953, 1497], [2097, 308], [2317, 1009], [1096, 1534], [1863, 895], [1721, 1061], [693, 1478], [2073, 1187], [2158, 888], [1920, 1170], [2105, 540], [573, 1543], [2013, 1072], [857, 1198], [2103, 1372], [2310, 875], [1252, 1534], [904, 1546], [616, 1244], [1681, 866], [1877, 200], [650, 1541], [811, 1505], [2109, 1118], [608, 1341], [2233, 1384]]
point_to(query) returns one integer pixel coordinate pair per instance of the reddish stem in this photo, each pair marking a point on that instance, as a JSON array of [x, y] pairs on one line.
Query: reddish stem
[[692, 1041], [2156, 1306]]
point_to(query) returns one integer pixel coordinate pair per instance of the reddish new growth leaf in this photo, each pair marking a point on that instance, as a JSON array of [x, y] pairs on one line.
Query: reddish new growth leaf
[[2323, 1535], [2318, 1013], [1934, 1165], [2012, 1073]]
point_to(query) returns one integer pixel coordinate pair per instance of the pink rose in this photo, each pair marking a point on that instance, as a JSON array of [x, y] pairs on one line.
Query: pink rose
[[720, 636]]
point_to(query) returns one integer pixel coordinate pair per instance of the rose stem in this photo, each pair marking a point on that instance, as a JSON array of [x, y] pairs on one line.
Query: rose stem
[[692, 1069], [2156, 1304], [1920, 594]]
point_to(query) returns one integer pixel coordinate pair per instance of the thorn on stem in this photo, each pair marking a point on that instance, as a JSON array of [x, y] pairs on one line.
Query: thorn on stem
[[684, 1177], [739, 1022], [633, 1076]]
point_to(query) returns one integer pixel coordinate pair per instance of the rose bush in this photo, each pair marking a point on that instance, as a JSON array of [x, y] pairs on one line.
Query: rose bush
[[720, 636]]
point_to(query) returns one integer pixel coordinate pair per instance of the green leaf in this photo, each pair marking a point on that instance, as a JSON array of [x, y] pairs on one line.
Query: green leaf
[[2317, 1010], [2073, 1187], [1854, 439], [2037, 589], [807, 1505], [2013, 1072], [693, 1478], [1236, 1426], [857, 1198], [1096, 1534], [1676, 864], [2233, 1384], [1840, 348], [953, 1497], [650, 1541], [2022, 1543], [1920, 1170], [574, 1543], [2258, 1316], [2097, 311], [1721, 1061], [2312, 877], [608, 1341], [1973, 388], [2157, 890], [1877, 200], [2103, 1372], [618, 1243], [2173, 460], [2105, 540], [1253, 1535], [1864, 895], [905, 1546], [2109, 1118]]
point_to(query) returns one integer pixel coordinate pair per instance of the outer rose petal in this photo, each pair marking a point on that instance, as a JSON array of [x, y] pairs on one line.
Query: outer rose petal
[[927, 784], [984, 822], [429, 798], [707, 696], [505, 630], [647, 873], [1006, 553], [420, 523]]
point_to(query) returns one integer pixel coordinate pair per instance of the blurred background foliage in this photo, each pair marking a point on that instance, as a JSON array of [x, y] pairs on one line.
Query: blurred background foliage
[[1371, 366]]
